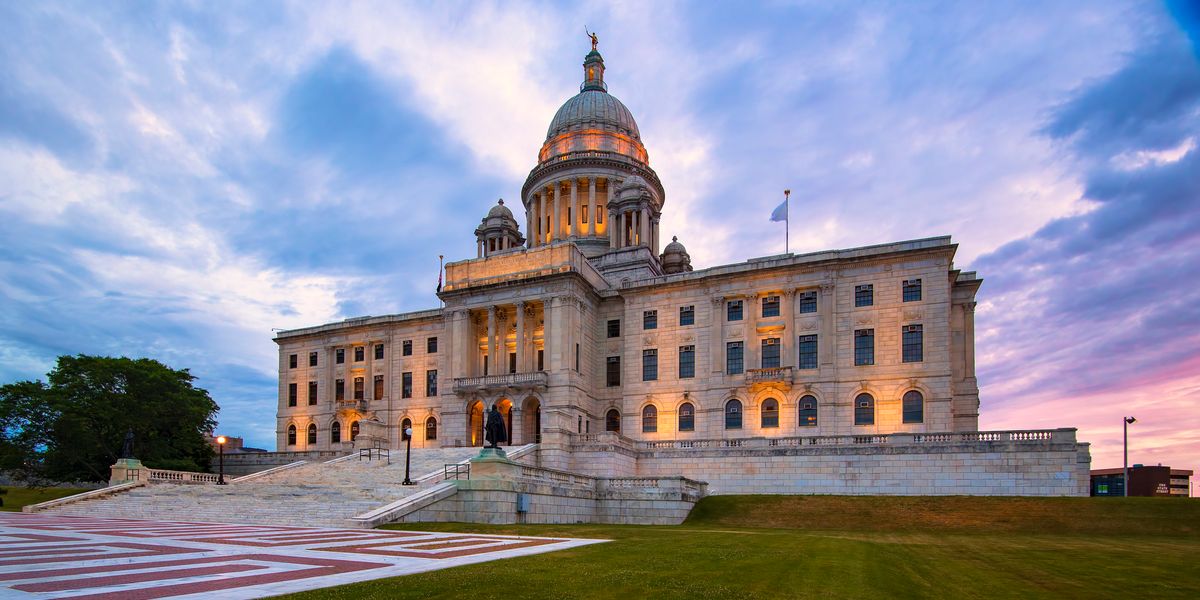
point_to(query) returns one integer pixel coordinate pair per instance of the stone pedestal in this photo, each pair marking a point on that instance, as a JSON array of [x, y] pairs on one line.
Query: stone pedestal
[[372, 434], [126, 470], [492, 463]]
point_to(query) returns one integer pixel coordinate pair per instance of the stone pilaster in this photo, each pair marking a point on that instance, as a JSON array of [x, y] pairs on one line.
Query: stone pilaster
[[521, 344], [591, 207]]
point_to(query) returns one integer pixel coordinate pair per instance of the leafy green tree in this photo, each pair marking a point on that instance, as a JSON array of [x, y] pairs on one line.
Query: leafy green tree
[[73, 428]]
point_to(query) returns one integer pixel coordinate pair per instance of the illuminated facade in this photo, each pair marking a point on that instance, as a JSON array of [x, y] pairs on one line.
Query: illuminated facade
[[582, 326]]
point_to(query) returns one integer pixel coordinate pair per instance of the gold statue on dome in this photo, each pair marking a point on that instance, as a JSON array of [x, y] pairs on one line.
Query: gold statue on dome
[[592, 35]]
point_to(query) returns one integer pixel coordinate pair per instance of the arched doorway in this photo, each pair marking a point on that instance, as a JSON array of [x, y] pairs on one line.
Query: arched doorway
[[475, 423], [506, 411], [531, 417]]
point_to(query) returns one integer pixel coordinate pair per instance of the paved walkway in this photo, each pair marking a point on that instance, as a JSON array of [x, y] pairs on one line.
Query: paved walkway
[[44, 556]]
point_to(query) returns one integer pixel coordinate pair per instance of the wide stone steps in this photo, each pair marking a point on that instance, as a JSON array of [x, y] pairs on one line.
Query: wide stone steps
[[312, 495]]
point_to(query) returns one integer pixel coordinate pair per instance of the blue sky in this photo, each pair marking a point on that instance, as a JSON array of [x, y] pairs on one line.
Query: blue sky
[[177, 179]]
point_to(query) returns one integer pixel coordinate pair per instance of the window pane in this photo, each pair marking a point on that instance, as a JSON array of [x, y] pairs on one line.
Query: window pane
[[613, 371], [864, 410], [359, 388], [912, 290], [808, 411], [733, 414], [808, 352], [770, 413], [914, 407], [406, 348], [612, 420], [431, 345], [649, 365], [312, 393], [291, 361], [733, 310], [312, 359], [340, 356], [650, 319], [378, 391], [431, 428], [687, 362], [359, 353], [339, 389], [649, 419], [378, 351], [808, 302], [431, 382], [913, 347], [687, 417], [291, 394], [614, 328], [770, 353], [770, 306], [864, 295], [687, 315], [406, 385], [733, 358], [864, 347]]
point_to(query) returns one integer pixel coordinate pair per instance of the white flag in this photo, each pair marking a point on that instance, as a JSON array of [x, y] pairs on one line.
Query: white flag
[[781, 212]]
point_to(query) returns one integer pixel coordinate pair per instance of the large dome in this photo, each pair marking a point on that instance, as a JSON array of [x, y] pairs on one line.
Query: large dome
[[593, 109]]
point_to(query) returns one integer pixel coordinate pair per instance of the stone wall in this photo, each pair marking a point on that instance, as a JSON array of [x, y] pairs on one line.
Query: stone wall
[[246, 463]]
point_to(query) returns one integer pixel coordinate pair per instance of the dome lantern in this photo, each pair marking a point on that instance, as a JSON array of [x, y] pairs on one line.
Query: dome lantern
[[498, 231]]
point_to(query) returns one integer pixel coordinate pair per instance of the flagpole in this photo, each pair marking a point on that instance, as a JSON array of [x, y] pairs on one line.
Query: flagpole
[[787, 220]]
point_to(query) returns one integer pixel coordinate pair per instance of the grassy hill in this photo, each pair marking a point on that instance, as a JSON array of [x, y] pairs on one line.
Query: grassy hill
[[847, 547]]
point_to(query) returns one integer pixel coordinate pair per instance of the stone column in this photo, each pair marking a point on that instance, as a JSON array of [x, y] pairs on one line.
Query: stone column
[[788, 351], [644, 224], [751, 309], [479, 249], [551, 331], [556, 224], [654, 236], [369, 379], [456, 348], [329, 374], [573, 214], [529, 226], [716, 334], [612, 228], [491, 340], [521, 367], [969, 338], [591, 206], [826, 340]]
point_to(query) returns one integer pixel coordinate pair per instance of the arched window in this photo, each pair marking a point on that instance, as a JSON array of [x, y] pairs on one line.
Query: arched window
[[864, 410], [353, 430], [914, 407], [687, 417], [431, 428], [733, 414], [405, 425], [612, 420], [808, 411], [649, 419], [335, 433], [312, 434], [291, 435], [770, 413]]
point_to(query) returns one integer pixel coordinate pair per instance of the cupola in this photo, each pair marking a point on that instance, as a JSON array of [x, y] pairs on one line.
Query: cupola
[[498, 231]]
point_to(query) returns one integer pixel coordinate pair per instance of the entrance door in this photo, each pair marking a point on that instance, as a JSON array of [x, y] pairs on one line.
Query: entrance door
[[532, 416], [475, 423]]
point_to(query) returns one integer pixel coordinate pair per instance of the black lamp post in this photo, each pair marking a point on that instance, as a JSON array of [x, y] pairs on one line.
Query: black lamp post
[[221, 447], [1128, 421], [408, 456]]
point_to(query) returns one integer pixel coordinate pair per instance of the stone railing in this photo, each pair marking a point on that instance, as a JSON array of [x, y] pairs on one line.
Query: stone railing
[[536, 380], [772, 375], [164, 476], [556, 477], [696, 489], [88, 495], [1066, 435], [351, 404]]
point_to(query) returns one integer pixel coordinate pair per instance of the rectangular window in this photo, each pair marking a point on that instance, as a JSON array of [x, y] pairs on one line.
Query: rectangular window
[[359, 388], [912, 345], [339, 389], [569, 215], [312, 359], [576, 358], [612, 371], [378, 391], [431, 382], [312, 393], [291, 394], [583, 212], [650, 319], [599, 213], [687, 315], [378, 351], [864, 295], [770, 353], [541, 360], [687, 362], [431, 346], [864, 347], [360, 353], [291, 361], [733, 358], [808, 352], [512, 362], [770, 306], [912, 290], [406, 348], [649, 365], [339, 356], [406, 385], [808, 302], [733, 310], [614, 328]]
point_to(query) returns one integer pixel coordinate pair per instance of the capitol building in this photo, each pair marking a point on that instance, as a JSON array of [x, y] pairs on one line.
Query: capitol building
[[840, 371]]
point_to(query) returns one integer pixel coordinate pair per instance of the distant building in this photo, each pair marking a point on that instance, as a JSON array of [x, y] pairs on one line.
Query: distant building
[[233, 445], [1143, 481]]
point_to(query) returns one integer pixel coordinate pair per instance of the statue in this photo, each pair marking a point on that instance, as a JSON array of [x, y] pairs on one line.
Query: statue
[[494, 431], [594, 39], [127, 447]]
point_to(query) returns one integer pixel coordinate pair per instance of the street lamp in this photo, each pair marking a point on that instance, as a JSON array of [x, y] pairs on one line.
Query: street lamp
[[221, 446], [408, 456], [1127, 422]]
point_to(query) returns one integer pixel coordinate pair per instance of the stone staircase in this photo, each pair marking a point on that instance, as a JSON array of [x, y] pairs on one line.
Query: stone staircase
[[311, 495]]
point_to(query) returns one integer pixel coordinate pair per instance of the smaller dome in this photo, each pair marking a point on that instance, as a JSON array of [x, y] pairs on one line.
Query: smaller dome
[[500, 210], [675, 258]]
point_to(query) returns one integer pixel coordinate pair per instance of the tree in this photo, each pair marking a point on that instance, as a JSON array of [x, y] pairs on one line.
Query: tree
[[73, 428]]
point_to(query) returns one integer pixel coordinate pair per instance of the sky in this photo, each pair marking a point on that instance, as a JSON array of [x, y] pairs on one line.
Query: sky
[[178, 179]]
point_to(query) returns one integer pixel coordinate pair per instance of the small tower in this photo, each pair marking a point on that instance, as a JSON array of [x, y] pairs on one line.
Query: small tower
[[675, 258], [593, 72], [498, 231]]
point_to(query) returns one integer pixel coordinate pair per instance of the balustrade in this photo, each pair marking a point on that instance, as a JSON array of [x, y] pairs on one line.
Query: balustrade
[[1043, 435], [781, 375], [533, 380]]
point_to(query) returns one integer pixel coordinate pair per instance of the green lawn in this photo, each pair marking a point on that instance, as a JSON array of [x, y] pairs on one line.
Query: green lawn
[[20, 496], [846, 547]]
